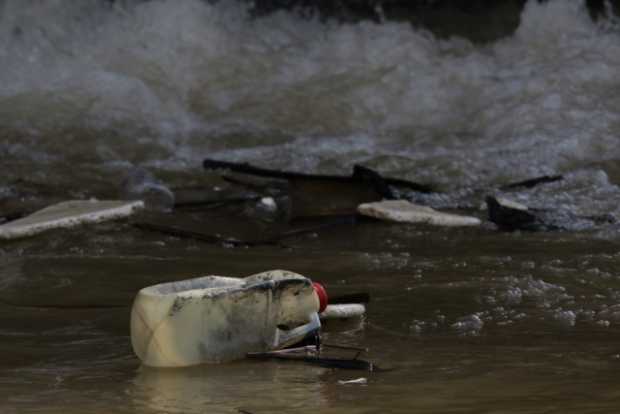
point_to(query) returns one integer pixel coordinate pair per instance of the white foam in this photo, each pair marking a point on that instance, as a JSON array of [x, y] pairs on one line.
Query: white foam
[[468, 325], [177, 75]]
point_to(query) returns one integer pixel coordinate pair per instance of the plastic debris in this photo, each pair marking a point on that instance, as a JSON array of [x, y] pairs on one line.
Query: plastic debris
[[407, 212], [269, 204], [532, 182], [343, 311], [356, 381], [215, 318], [68, 214]]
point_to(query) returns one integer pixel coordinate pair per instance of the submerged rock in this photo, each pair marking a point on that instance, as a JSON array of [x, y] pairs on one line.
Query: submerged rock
[[509, 215], [407, 212], [68, 214]]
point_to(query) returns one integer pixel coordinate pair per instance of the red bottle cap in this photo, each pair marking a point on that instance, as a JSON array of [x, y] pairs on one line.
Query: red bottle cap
[[322, 294]]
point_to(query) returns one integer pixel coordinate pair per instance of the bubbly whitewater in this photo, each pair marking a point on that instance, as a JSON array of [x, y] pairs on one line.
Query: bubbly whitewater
[[165, 83]]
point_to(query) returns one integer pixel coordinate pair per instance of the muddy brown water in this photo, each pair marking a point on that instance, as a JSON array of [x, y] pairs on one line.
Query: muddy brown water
[[462, 321]]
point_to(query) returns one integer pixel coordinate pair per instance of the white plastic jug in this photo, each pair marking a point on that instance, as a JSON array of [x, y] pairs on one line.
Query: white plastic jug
[[216, 318]]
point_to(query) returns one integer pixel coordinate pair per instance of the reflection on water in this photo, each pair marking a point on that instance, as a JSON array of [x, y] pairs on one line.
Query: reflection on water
[[273, 387]]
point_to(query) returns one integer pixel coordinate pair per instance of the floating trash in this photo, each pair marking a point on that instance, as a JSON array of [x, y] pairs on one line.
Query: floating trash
[[356, 381], [343, 311], [68, 214], [215, 318], [406, 212], [318, 195]]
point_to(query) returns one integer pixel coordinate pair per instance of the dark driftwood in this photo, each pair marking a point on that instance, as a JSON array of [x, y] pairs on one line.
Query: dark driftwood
[[360, 173], [189, 234], [210, 203], [342, 363], [533, 182], [316, 227], [315, 195], [209, 238]]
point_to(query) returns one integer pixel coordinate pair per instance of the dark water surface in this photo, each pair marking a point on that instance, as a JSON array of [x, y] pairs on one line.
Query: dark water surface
[[463, 320]]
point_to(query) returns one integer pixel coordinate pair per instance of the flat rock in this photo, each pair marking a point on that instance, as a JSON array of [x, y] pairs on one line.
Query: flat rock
[[406, 212], [68, 214]]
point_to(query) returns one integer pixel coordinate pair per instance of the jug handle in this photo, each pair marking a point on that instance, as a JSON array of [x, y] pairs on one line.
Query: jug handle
[[285, 338]]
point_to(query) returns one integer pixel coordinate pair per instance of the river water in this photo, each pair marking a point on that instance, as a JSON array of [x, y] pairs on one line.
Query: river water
[[463, 320]]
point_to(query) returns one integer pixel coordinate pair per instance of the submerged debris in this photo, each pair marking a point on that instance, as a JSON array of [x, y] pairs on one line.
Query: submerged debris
[[406, 212], [195, 235], [312, 355], [315, 195], [360, 173], [262, 239]]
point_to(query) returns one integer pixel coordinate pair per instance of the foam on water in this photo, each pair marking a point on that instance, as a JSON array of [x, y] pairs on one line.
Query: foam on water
[[167, 82]]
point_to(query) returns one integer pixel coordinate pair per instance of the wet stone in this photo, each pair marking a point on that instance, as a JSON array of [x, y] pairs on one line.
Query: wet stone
[[509, 215]]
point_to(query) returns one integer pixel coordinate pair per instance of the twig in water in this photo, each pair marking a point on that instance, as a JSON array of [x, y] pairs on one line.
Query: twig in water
[[532, 182], [189, 234]]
